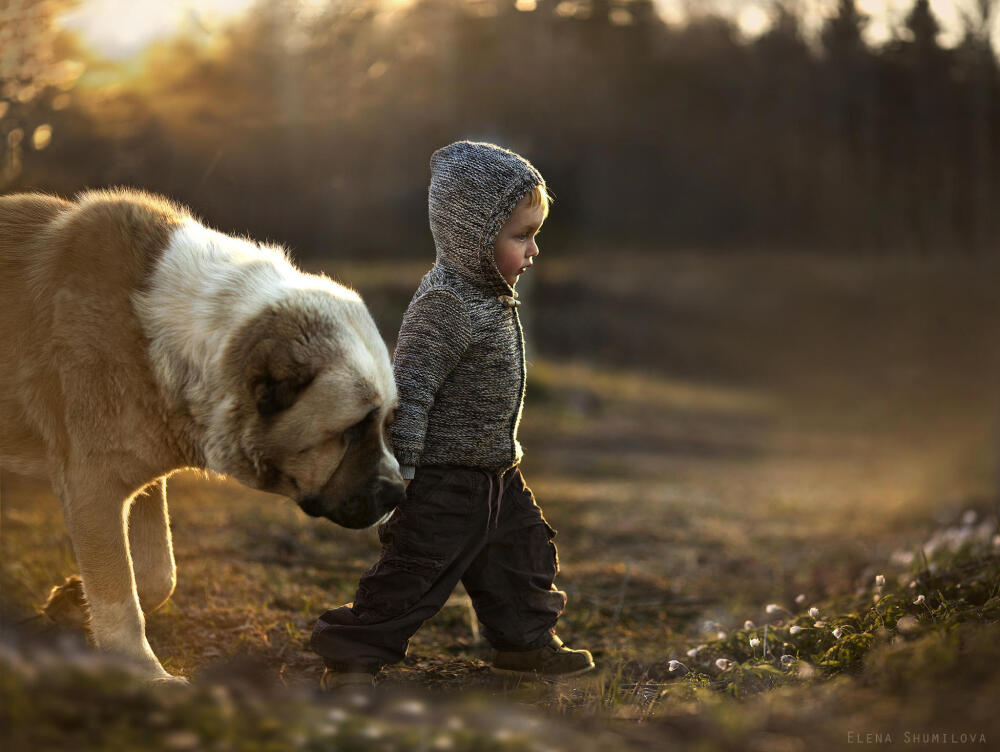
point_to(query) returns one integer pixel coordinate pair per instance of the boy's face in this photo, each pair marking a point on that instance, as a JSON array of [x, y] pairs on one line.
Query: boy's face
[[515, 247]]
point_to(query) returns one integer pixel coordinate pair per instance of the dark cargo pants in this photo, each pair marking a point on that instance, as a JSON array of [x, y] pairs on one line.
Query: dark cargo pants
[[457, 523]]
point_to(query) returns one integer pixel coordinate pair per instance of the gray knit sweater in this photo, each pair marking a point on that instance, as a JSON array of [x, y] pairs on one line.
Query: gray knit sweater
[[459, 360]]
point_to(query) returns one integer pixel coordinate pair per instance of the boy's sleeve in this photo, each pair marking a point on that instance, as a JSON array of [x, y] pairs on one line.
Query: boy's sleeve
[[436, 331]]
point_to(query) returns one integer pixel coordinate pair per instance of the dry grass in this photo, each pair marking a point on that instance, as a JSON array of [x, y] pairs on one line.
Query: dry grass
[[708, 435]]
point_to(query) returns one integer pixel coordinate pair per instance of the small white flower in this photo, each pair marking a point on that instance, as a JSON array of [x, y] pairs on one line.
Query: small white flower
[[800, 599], [754, 642], [907, 624], [787, 660], [913, 584], [879, 580], [724, 663], [819, 624], [748, 624], [720, 635], [969, 518], [996, 540], [838, 633], [674, 665], [772, 608], [902, 558], [814, 612], [411, 707], [920, 599], [795, 629], [181, 740], [692, 653]]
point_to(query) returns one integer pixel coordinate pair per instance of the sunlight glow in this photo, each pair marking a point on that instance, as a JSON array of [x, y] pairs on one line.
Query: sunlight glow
[[119, 29], [885, 16], [753, 20], [881, 20], [950, 17], [42, 137]]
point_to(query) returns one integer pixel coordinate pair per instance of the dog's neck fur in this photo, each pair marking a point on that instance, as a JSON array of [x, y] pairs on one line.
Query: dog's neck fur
[[205, 287]]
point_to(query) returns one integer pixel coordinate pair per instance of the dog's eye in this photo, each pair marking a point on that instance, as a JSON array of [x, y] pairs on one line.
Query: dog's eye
[[360, 428]]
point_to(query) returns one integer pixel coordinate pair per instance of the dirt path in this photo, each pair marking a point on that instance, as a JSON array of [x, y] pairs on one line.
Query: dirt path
[[708, 434]]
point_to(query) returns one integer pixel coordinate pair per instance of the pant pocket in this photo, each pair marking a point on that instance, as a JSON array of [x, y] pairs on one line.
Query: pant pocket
[[394, 585], [553, 551]]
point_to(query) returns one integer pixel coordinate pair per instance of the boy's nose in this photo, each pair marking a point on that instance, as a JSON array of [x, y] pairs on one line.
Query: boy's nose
[[533, 250]]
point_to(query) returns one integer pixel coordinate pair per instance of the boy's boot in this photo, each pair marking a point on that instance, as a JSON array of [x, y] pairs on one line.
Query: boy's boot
[[333, 681], [552, 660]]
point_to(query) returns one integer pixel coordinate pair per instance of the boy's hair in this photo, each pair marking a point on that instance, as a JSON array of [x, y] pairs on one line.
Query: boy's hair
[[539, 195]]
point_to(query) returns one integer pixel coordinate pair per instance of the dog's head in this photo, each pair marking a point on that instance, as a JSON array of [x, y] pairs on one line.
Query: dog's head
[[316, 397]]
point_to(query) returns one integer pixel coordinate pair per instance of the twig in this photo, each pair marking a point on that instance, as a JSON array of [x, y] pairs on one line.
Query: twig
[[621, 595]]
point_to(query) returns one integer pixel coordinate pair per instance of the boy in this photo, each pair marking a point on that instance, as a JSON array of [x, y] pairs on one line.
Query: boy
[[460, 370]]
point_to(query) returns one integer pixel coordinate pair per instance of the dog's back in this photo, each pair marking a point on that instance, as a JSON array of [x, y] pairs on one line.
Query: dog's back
[[59, 261], [25, 220]]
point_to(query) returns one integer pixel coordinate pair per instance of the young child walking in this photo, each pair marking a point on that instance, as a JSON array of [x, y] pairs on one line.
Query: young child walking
[[460, 370]]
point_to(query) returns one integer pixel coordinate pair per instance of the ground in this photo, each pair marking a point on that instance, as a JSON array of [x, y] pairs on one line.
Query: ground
[[709, 433]]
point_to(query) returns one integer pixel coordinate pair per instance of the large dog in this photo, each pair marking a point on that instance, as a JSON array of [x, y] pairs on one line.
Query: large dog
[[134, 342]]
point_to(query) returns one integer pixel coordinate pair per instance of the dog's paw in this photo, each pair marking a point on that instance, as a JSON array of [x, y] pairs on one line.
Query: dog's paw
[[67, 605], [169, 681]]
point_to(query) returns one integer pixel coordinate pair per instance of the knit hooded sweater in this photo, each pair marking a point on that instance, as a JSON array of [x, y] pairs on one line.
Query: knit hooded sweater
[[459, 359]]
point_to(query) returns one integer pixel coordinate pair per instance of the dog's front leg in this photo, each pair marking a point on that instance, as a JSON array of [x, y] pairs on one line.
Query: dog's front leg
[[95, 517]]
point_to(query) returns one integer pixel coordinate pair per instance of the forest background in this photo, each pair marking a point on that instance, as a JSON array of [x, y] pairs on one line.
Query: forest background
[[313, 122]]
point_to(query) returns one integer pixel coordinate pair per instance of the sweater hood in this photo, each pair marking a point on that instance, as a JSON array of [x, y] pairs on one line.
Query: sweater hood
[[474, 189]]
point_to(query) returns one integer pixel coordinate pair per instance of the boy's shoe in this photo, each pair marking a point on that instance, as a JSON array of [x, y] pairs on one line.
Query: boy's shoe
[[333, 681], [553, 660]]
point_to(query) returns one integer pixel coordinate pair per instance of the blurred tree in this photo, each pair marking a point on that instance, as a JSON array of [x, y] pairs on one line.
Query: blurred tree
[[851, 182], [785, 126], [313, 122], [36, 72], [978, 65], [927, 118], [923, 28], [842, 33]]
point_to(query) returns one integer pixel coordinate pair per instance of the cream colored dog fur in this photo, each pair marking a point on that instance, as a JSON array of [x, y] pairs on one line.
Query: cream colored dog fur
[[134, 342]]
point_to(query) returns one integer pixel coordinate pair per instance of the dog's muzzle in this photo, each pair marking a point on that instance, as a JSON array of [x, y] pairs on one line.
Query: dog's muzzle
[[360, 510]]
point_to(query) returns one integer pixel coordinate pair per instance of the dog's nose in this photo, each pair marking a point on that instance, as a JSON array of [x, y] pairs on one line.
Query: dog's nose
[[312, 505], [390, 493]]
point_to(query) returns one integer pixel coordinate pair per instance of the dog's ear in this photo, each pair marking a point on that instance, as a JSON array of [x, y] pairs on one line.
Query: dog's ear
[[278, 378], [273, 396]]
